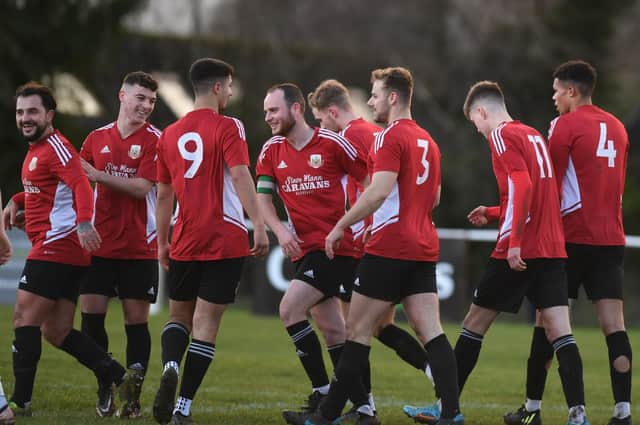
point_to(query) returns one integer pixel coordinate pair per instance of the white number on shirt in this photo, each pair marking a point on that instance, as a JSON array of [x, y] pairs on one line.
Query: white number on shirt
[[541, 156], [424, 144], [195, 156], [605, 147]]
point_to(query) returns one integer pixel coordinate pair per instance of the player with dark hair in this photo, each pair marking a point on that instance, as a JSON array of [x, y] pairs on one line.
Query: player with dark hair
[[203, 161], [529, 257], [58, 207], [120, 158], [589, 148]]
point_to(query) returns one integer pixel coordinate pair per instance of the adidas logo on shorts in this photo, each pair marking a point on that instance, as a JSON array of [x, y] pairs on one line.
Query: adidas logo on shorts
[[23, 279], [309, 273]]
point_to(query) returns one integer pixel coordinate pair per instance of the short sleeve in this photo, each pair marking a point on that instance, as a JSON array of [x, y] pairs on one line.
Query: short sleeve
[[163, 173], [234, 143]]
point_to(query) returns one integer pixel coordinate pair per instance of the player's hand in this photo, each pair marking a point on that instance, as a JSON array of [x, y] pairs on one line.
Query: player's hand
[[88, 236], [163, 254], [515, 261], [478, 216], [9, 215], [5, 248], [260, 243], [290, 244], [332, 241], [90, 170], [366, 235]]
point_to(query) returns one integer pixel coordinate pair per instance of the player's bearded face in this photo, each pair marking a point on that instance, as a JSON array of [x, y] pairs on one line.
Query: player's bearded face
[[285, 124], [379, 102], [226, 91], [31, 118], [277, 114]]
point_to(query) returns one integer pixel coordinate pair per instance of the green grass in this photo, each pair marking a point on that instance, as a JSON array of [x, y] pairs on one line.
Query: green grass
[[256, 374]]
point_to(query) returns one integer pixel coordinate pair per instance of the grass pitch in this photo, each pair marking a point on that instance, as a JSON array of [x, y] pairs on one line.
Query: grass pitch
[[256, 374]]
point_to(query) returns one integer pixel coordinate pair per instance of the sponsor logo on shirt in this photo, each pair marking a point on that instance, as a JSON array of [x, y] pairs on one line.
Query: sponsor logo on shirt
[[29, 187], [282, 164], [105, 149], [135, 151], [315, 160], [305, 185], [33, 163], [120, 171]]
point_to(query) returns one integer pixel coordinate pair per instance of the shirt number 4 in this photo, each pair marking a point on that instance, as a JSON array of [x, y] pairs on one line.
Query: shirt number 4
[[605, 147]]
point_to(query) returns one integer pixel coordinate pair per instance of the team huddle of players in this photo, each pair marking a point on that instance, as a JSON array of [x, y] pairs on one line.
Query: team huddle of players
[[559, 218]]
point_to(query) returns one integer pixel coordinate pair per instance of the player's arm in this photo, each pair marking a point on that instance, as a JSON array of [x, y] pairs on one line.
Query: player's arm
[[559, 150], [5, 244], [136, 187], [370, 200], [482, 215], [289, 242], [243, 183], [70, 172], [514, 163], [164, 209], [11, 215]]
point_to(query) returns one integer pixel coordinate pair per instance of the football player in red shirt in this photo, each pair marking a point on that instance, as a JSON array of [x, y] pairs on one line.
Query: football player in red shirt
[[120, 158], [203, 161], [589, 148], [332, 106], [401, 254], [58, 207], [307, 168], [529, 257]]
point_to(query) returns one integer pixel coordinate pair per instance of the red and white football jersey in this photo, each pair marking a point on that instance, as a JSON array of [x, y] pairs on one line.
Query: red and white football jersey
[[362, 133], [403, 227], [57, 197], [517, 147], [589, 148], [312, 184], [126, 224], [194, 155]]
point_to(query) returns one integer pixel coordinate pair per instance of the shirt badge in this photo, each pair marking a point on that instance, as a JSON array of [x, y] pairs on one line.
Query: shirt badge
[[315, 160], [135, 151], [33, 163]]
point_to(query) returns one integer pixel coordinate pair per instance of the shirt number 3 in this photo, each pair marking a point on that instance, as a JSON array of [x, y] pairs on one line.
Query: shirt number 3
[[424, 145]]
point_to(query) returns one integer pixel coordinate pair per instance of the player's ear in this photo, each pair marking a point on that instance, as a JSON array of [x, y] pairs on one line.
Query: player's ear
[[392, 97], [333, 111], [217, 86], [121, 95], [49, 115]]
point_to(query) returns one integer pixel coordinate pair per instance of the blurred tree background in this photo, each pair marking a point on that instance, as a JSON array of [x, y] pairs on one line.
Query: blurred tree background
[[448, 45]]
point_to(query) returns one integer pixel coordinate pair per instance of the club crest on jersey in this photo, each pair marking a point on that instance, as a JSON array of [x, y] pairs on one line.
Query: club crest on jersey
[[33, 163], [135, 151], [315, 160]]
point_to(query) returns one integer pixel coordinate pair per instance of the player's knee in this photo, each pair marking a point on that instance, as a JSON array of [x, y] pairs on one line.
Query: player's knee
[[55, 334], [289, 314], [333, 334]]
